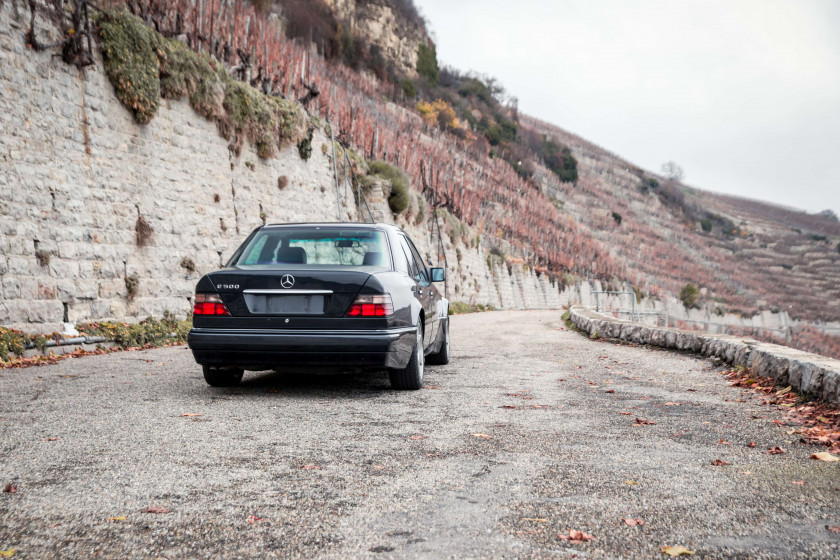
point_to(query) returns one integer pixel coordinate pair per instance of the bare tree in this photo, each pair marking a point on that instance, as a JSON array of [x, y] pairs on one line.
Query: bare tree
[[673, 171]]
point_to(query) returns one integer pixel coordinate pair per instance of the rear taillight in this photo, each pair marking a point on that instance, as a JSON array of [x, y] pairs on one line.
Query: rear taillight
[[209, 304], [371, 306]]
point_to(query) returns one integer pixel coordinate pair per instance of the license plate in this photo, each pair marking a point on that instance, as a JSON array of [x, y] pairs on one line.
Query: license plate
[[271, 304]]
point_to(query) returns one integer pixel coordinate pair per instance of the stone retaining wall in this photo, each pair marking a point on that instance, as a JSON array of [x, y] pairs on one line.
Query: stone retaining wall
[[807, 373], [77, 173]]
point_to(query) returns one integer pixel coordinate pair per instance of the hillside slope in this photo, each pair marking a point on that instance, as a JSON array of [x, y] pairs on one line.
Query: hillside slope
[[771, 258], [463, 151]]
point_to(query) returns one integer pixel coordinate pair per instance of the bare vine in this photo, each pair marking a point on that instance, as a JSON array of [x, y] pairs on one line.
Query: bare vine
[[76, 44]]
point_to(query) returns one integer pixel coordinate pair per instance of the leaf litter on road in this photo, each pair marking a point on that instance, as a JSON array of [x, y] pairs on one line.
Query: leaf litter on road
[[774, 451], [633, 521], [576, 537], [825, 456], [155, 509], [10, 488], [678, 550]]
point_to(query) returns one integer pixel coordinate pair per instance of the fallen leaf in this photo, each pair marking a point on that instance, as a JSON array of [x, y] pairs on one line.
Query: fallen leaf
[[671, 404], [7, 553], [10, 488], [723, 442], [610, 391], [155, 509], [798, 482], [535, 519], [626, 413], [576, 537], [633, 521], [115, 519], [507, 406], [416, 437], [720, 463], [745, 472], [253, 519], [835, 529], [630, 482], [431, 387], [481, 436], [751, 444], [774, 451], [825, 456], [191, 414], [677, 551], [643, 422], [51, 439]]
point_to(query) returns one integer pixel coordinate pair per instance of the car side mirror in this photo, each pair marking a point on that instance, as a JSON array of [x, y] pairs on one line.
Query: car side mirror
[[438, 274]]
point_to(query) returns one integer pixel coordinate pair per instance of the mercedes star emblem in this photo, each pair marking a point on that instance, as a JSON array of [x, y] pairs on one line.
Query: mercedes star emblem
[[287, 281]]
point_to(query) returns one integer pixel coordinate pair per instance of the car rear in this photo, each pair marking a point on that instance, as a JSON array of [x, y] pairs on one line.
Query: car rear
[[302, 295]]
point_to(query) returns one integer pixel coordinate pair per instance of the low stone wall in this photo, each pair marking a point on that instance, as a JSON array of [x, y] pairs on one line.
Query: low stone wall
[[807, 373]]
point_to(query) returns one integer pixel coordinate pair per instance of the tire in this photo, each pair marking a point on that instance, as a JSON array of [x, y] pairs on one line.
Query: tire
[[410, 378], [441, 357], [218, 377]]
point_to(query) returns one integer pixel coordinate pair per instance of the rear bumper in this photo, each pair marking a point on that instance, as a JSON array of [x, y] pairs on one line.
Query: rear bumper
[[390, 348]]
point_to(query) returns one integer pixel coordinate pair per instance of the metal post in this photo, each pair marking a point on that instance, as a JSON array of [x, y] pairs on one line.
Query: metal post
[[335, 173], [635, 314]]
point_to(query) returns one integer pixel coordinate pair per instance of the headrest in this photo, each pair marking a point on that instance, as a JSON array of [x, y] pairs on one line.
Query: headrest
[[291, 255], [372, 258]]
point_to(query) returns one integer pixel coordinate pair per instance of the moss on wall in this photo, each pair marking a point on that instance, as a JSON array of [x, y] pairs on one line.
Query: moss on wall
[[143, 66]]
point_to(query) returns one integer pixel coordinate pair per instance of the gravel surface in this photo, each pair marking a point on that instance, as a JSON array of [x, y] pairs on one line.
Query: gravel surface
[[529, 432]]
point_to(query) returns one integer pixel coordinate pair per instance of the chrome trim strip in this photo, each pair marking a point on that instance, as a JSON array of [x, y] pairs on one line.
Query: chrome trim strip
[[291, 292]]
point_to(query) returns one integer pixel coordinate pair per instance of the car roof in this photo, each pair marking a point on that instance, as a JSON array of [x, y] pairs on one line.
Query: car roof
[[360, 225]]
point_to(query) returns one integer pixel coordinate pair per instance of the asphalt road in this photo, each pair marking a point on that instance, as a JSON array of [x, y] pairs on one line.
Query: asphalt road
[[530, 431]]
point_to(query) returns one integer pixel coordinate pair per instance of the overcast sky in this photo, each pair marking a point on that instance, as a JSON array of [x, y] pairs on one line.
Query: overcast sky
[[744, 94]]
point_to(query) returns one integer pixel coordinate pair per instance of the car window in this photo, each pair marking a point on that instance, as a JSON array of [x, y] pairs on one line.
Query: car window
[[400, 260], [412, 266], [419, 273], [275, 248]]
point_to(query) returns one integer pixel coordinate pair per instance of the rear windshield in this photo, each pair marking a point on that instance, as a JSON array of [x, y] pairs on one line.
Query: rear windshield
[[316, 246]]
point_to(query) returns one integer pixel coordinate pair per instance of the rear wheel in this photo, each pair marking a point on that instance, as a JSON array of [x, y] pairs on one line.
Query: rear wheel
[[441, 357], [411, 377], [222, 377]]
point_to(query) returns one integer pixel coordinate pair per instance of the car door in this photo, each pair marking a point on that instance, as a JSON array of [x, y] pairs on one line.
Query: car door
[[423, 289]]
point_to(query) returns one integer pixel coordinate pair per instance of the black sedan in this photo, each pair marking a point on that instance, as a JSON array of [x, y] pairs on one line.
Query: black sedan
[[342, 297]]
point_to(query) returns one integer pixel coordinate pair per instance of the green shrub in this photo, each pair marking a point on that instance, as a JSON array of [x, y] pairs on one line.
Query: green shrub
[[409, 89], [706, 224], [149, 332], [142, 65], [305, 146], [132, 286], [400, 188], [460, 307], [617, 217], [688, 295], [427, 64], [131, 51], [188, 264], [559, 160]]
